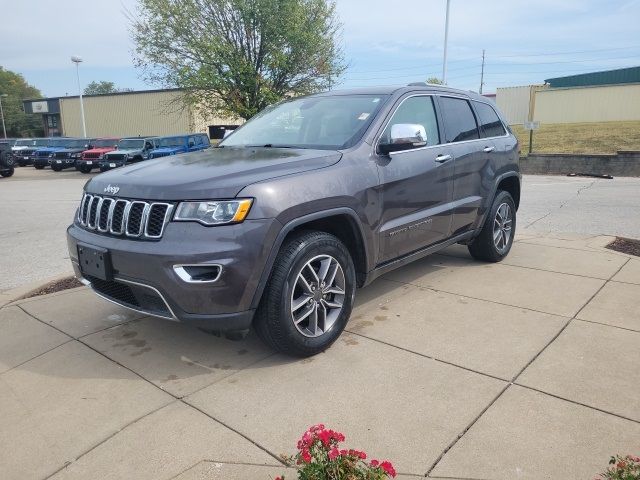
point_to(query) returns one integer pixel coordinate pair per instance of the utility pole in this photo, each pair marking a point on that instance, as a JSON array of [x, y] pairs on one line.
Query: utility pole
[[77, 60], [446, 41], [4, 129], [482, 73]]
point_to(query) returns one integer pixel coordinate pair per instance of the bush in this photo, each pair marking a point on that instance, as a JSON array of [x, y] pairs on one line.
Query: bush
[[320, 458], [623, 468]]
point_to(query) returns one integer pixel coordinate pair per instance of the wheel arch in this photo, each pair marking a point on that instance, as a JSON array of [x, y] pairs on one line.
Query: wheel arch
[[340, 222]]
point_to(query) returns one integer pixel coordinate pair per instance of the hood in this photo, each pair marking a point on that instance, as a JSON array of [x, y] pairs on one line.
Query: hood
[[19, 148], [167, 150], [70, 150], [49, 149], [213, 173], [125, 151], [101, 150]]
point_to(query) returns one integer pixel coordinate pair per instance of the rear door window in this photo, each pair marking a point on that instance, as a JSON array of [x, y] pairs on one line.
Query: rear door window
[[459, 121], [489, 120]]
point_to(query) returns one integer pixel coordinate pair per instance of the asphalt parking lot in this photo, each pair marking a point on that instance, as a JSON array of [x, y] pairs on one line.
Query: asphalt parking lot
[[38, 205]]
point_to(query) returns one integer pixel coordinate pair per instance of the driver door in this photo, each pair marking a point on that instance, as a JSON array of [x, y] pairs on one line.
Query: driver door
[[416, 184]]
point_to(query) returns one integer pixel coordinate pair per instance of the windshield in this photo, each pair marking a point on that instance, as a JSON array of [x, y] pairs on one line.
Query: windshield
[[41, 142], [330, 122], [132, 144], [171, 142], [107, 142], [25, 143]]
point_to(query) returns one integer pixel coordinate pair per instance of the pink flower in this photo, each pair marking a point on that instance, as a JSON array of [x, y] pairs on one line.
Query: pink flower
[[374, 463], [388, 468], [333, 453]]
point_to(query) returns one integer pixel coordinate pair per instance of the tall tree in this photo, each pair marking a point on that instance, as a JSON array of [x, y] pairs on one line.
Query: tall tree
[[434, 81], [18, 123], [235, 57], [100, 88]]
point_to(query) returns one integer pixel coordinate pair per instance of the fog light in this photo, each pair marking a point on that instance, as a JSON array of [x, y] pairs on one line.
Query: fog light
[[198, 273]]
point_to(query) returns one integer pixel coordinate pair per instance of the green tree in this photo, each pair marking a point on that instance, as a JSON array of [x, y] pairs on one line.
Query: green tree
[[235, 57], [100, 88], [435, 81], [18, 123]]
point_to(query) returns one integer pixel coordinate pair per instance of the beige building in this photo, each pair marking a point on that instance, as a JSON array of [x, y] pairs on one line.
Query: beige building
[[603, 103], [517, 103], [150, 112]]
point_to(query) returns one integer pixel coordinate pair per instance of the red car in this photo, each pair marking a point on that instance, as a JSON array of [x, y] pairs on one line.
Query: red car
[[91, 157]]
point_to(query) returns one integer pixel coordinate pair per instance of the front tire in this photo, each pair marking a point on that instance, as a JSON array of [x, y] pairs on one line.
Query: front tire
[[85, 169], [496, 237], [56, 168], [39, 167], [308, 298], [7, 173]]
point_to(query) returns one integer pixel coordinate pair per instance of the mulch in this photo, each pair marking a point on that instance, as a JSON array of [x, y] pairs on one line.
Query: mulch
[[625, 245], [57, 286]]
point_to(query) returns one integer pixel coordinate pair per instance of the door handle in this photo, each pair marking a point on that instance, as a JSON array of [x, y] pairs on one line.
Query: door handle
[[489, 149], [443, 158]]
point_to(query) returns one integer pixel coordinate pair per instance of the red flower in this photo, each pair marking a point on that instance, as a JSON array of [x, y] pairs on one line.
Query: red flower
[[388, 468], [279, 478], [374, 463], [306, 456], [333, 453]]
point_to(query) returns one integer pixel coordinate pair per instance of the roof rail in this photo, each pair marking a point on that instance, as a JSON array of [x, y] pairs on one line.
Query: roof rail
[[417, 84]]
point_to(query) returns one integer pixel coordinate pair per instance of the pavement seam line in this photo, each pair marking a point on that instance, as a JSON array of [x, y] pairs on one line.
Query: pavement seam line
[[478, 298], [575, 402], [461, 434], [107, 438], [586, 249], [208, 460], [424, 355], [563, 204], [530, 268], [574, 317], [264, 449], [607, 325], [513, 381], [37, 356]]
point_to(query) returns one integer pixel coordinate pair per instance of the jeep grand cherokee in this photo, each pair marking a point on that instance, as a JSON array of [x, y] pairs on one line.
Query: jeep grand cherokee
[[310, 199]]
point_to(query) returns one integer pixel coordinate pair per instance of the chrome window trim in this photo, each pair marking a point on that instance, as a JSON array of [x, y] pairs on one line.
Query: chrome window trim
[[474, 114], [376, 142]]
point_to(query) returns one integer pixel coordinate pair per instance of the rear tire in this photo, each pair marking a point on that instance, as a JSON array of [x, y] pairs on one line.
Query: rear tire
[[7, 173], [496, 236], [308, 298]]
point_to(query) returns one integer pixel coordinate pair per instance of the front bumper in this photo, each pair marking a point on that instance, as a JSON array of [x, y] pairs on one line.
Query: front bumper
[[41, 161], [107, 164], [144, 278], [63, 162]]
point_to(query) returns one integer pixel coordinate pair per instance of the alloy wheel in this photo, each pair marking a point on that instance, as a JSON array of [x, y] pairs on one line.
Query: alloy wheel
[[318, 295], [502, 227]]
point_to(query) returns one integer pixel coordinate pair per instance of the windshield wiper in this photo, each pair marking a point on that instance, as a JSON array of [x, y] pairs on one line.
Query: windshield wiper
[[268, 145]]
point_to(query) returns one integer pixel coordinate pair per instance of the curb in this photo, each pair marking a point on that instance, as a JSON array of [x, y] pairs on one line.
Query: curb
[[20, 293]]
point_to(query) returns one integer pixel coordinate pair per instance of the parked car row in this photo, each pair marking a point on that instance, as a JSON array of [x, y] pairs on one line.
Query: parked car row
[[86, 154]]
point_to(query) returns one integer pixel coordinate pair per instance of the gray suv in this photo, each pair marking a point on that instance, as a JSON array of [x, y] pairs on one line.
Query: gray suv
[[310, 199]]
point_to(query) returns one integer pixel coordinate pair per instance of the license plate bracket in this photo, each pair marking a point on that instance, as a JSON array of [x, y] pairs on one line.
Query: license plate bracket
[[95, 261]]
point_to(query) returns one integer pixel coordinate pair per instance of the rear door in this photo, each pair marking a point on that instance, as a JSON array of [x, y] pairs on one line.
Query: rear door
[[416, 185], [472, 159]]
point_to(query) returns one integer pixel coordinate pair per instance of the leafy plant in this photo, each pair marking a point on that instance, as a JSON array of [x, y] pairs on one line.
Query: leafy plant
[[235, 57], [622, 468], [320, 458]]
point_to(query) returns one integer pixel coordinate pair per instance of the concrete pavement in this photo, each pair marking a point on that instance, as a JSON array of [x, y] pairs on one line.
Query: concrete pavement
[[450, 368]]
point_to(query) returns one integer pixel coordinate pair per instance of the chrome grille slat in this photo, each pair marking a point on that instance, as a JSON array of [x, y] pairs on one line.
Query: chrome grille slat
[[120, 217]]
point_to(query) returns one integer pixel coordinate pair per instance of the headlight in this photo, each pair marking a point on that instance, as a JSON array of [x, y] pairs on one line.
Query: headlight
[[126, 156], [51, 155], [76, 155], [214, 212], [101, 156]]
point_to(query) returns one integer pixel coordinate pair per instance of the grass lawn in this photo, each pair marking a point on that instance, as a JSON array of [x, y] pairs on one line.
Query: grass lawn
[[606, 137]]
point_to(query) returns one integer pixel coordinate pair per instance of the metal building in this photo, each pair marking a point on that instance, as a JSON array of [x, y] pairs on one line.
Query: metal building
[[148, 112]]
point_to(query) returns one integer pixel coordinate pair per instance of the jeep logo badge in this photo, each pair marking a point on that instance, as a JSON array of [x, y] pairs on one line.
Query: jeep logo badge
[[111, 189]]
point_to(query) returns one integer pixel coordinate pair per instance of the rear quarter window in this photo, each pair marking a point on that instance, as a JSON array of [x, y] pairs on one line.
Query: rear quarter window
[[489, 121], [459, 121]]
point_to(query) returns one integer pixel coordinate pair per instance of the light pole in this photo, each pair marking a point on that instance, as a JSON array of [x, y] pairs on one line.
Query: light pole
[[4, 129], [77, 60], [446, 40]]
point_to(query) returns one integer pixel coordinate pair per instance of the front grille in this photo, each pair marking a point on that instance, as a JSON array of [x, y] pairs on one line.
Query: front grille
[[159, 154], [133, 218], [90, 155], [61, 155], [116, 156], [138, 297], [42, 154]]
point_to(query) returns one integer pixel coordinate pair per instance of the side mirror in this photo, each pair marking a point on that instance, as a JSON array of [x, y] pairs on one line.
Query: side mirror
[[404, 136]]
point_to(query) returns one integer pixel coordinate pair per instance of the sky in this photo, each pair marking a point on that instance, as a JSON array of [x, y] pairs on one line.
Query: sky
[[385, 42]]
